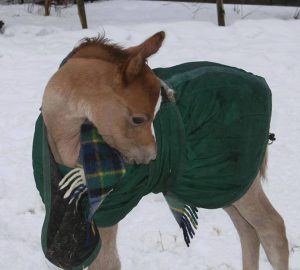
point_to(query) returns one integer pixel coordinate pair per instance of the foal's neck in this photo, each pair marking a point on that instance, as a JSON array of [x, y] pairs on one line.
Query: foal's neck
[[66, 105], [64, 138], [101, 51]]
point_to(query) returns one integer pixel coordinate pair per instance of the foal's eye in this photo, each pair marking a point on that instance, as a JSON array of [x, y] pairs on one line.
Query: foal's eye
[[138, 120]]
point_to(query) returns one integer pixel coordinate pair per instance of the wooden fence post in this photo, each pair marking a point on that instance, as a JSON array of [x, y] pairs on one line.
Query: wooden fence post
[[221, 13], [47, 7], [81, 13]]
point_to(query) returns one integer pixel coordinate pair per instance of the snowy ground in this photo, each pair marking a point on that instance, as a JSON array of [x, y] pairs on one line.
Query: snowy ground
[[263, 40]]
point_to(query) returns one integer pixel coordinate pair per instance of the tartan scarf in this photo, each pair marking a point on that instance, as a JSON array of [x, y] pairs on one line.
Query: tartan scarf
[[100, 167]]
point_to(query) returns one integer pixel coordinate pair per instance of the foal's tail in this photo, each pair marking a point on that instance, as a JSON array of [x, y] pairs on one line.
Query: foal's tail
[[263, 167]]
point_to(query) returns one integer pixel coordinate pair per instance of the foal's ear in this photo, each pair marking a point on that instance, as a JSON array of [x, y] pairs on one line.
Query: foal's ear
[[138, 55], [149, 46], [133, 67]]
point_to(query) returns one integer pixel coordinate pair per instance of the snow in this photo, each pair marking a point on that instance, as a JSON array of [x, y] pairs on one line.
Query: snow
[[262, 40]]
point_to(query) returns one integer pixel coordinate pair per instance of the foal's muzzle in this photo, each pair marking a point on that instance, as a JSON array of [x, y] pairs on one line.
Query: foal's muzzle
[[142, 155]]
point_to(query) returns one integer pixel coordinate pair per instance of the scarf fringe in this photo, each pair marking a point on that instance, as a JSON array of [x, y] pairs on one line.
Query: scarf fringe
[[188, 223], [185, 215], [75, 183]]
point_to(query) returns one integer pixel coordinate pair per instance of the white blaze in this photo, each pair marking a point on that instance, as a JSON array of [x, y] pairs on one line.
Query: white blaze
[[157, 107]]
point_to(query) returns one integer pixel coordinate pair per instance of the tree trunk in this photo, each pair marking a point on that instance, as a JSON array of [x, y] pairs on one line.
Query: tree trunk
[[221, 13], [81, 13], [47, 7]]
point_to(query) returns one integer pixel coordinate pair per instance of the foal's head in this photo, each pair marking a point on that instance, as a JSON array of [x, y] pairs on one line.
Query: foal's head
[[123, 107]]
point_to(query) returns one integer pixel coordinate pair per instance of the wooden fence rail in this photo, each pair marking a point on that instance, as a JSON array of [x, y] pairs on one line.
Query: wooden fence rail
[[221, 10], [291, 3]]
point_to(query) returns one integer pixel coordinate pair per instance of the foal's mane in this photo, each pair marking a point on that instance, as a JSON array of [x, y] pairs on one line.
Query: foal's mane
[[102, 48]]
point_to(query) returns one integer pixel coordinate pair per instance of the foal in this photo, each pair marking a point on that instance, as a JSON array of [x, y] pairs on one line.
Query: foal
[[116, 90]]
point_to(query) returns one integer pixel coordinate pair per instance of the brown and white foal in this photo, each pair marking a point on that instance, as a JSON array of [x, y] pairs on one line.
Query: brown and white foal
[[116, 90]]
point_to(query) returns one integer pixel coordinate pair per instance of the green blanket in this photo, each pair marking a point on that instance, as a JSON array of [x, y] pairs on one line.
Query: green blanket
[[211, 143]]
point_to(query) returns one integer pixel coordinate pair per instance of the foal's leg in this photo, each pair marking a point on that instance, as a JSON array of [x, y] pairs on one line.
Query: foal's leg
[[248, 237], [255, 207], [108, 258]]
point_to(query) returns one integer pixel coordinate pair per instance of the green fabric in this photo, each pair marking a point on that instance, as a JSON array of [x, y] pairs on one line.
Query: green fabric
[[43, 166], [226, 114], [211, 143], [37, 156]]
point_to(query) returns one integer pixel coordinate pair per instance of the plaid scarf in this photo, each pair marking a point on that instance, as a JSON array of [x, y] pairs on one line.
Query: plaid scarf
[[102, 164], [100, 167]]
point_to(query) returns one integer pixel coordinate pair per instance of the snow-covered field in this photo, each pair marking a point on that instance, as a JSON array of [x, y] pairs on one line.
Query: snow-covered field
[[263, 40]]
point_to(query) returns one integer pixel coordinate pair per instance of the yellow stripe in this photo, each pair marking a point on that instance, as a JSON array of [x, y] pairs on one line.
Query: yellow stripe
[[93, 228], [93, 141], [98, 174], [107, 173], [178, 210]]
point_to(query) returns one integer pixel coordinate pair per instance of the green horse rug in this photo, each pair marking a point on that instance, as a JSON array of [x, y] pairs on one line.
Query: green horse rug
[[211, 142]]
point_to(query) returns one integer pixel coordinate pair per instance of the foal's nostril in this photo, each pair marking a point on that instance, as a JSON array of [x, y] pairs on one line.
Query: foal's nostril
[[152, 156], [145, 155]]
